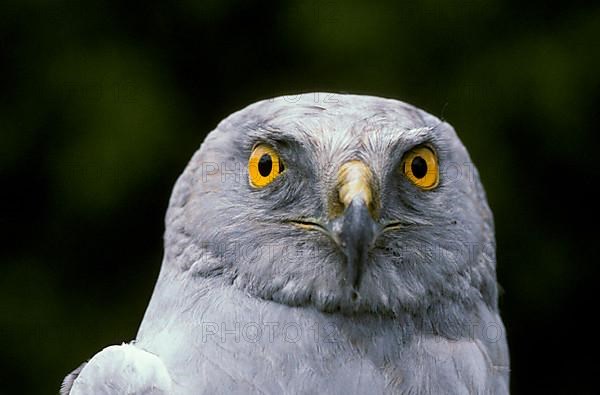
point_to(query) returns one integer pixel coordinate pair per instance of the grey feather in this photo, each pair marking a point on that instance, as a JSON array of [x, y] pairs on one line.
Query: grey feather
[[247, 303], [67, 384]]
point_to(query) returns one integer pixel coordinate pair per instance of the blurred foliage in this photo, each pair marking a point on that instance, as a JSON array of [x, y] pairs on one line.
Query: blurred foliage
[[102, 104]]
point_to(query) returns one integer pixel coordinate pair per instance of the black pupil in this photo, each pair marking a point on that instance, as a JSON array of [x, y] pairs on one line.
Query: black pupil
[[419, 167], [265, 165]]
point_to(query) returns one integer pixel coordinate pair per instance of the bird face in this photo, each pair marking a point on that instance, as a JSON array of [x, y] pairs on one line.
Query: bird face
[[363, 205]]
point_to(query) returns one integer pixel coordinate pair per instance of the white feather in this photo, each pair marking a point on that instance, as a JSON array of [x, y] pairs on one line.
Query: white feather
[[123, 369]]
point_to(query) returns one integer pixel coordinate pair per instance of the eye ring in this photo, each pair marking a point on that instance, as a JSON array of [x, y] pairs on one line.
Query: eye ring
[[420, 165], [264, 165]]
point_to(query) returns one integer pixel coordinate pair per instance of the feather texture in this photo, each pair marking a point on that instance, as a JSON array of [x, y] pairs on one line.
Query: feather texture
[[247, 302]]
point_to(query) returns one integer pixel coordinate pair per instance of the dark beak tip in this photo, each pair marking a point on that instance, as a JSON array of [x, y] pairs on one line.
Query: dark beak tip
[[357, 231]]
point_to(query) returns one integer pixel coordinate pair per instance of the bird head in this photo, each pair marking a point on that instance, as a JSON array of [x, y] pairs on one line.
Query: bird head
[[355, 204]]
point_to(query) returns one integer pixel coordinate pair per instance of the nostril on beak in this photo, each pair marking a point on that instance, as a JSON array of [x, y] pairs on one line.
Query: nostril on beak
[[353, 225], [354, 181]]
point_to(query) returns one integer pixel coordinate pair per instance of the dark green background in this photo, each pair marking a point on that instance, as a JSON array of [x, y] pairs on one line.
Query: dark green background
[[102, 105]]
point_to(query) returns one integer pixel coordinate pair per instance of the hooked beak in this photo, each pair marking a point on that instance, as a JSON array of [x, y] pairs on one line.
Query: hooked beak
[[352, 224], [354, 227], [355, 233]]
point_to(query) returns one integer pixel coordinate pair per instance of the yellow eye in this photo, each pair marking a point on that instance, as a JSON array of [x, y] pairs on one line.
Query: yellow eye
[[264, 166], [421, 167]]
